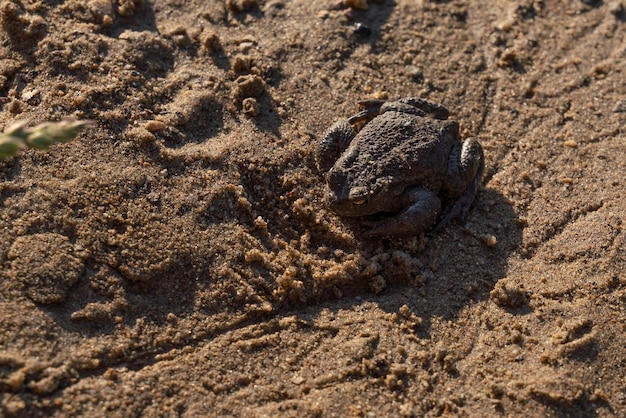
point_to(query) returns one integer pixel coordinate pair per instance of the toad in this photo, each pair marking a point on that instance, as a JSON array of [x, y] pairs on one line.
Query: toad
[[406, 165]]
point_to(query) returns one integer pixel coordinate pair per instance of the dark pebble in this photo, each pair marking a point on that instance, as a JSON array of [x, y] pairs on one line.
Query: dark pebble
[[362, 30]]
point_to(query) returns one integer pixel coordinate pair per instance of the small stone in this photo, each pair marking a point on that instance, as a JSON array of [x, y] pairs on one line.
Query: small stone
[[490, 241], [362, 30], [507, 58], [298, 380], [571, 143], [242, 64], [101, 9], [416, 74], [249, 86], [31, 96], [250, 106], [155, 125], [505, 25], [322, 14], [210, 42], [154, 197]]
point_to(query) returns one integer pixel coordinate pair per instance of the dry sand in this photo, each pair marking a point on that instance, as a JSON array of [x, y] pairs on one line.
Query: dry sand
[[178, 259]]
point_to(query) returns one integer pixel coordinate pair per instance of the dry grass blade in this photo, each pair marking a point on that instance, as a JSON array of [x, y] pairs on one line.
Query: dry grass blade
[[41, 136]]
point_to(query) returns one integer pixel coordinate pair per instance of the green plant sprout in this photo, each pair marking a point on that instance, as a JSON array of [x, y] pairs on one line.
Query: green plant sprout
[[41, 136]]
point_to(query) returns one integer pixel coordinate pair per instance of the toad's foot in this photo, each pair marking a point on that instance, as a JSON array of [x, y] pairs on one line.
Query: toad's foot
[[423, 209]]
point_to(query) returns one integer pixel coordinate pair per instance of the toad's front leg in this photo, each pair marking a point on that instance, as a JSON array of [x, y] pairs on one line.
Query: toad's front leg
[[333, 143], [422, 209]]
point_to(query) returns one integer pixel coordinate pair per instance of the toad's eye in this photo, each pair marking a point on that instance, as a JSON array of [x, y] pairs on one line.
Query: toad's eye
[[358, 195]]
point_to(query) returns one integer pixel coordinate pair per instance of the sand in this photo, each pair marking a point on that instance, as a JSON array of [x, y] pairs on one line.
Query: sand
[[178, 258]]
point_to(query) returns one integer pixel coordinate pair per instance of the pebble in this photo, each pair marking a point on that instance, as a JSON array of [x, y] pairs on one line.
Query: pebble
[[250, 106], [102, 10], [417, 74], [490, 241], [154, 125], [362, 30], [249, 86], [210, 42]]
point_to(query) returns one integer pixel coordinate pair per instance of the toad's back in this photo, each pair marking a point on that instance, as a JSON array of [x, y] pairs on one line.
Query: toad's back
[[412, 149]]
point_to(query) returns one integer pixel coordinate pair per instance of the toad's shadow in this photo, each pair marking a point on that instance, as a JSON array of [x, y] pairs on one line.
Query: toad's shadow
[[461, 268]]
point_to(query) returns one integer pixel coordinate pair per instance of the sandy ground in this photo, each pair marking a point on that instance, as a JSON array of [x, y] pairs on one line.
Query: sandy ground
[[179, 259]]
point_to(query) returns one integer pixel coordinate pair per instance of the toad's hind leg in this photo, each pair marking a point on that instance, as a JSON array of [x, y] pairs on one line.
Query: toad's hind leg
[[422, 212], [333, 143], [465, 168]]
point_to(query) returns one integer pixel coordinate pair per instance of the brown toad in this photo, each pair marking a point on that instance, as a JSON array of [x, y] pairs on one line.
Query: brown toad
[[406, 163]]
